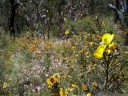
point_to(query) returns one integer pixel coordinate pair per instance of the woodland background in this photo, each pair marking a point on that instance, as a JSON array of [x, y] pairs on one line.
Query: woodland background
[[55, 40]]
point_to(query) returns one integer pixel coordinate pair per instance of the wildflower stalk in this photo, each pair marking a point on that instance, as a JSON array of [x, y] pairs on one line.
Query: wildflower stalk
[[112, 74], [107, 63]]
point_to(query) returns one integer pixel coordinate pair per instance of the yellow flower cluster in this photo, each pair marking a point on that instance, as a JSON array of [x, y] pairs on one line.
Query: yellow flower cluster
[[67, 32], [28, 43], [5, 85], [48, 45], [106, 46], [53, 80], [32, 47]]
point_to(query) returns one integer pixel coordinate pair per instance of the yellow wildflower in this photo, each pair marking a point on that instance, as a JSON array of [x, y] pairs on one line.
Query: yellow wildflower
[[70, 89], [112, 46], [62, 92], [5, 85], [99, 52], [91, 43], [56, 75], [107, 38], [89, 94], [74, 85], [52, 81], [84, 87], [67, 32]]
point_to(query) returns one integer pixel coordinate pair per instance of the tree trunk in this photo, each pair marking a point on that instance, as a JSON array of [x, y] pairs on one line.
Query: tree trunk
[[12, 18], [127, 6], [116, 16], [126, 10], [91, 7]]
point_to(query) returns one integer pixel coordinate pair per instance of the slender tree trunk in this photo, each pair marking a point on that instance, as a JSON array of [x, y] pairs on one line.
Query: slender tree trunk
[[126, 10], [60, 21], [12, 18], [92, 7], [127, 6], [117, 4]]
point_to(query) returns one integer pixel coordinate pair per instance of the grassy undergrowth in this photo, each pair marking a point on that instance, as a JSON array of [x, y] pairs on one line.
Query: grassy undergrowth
[[32, 66]]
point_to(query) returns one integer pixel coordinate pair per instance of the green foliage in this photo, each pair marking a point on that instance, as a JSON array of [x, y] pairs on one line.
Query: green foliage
[[107, 24], [86, 24], [91, 24]]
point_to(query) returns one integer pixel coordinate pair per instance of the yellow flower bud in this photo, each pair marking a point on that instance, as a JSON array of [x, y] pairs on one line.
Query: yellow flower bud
[[99, 52], [107, 38]]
